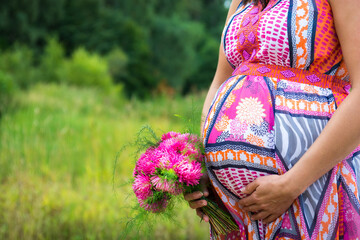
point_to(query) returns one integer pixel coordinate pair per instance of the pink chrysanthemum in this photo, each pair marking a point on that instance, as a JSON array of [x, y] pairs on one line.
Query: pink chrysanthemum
[[166, 185], [173, 144], [142, 186], [166, 158], [185, 144], [147, 162], [193, 152], [154, 207], [193, 138], [169, 135], [157, 206], [189, 173]]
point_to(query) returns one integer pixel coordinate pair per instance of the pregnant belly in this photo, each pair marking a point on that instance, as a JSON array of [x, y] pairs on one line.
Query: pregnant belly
[[242, 111], [252, 114], [239, 134]]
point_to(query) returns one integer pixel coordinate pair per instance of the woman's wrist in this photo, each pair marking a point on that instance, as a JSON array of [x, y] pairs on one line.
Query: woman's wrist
[[295, 186]]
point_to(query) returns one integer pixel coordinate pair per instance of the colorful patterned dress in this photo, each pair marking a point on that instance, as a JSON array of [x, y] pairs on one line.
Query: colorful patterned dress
[[289, 77]]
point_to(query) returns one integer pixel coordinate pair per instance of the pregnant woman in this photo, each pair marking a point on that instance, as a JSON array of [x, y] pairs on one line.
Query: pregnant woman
[[282, 120]]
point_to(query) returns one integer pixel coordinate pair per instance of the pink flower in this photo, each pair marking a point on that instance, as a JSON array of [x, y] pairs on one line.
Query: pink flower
[[193, 152], [193, 138], [168, 158], [189, 172], [173, 144], [193, 149], [186, 144], [169, 135], [147, 162], [166, 185], [142, 186], [154, 207], [184, 137]]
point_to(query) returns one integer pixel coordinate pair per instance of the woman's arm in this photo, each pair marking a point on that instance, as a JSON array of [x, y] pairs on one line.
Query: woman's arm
[[342, 133], [338, 139], [223, 72]]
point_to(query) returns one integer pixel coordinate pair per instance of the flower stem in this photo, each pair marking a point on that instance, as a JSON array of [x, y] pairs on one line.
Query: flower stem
[[220, 221]]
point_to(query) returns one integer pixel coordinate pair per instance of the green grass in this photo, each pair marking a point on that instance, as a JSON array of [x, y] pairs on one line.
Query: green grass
[[58, 177]]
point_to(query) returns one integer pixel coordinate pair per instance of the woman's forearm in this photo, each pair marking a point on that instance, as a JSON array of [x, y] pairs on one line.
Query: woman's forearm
[[223, 72], [338, 139], [342, 133]]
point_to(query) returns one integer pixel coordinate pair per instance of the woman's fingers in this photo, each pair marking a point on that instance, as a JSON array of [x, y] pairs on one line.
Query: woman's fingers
[[250, 188], [194, 200], [197, 204], [204, 181], [193, 196], [269, 219], [252, 208], [202, 215], [260, 215], [271, 198], [205, 191], [248, 201]]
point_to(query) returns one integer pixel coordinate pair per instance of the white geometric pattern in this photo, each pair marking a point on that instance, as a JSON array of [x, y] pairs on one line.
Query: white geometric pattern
[[236, 178]]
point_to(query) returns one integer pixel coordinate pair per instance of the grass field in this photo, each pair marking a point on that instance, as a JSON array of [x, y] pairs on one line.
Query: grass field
[[58, 178]]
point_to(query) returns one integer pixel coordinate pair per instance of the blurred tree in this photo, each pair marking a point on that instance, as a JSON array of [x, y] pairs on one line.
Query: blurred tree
[[202, 78], [18, 62], [163, 40], [117, 64], [29, 22], [213, 15], [52, 61], [174, 43], [85, 69]]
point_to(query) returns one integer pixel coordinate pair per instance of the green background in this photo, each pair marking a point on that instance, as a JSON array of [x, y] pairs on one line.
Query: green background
[[78, 79]]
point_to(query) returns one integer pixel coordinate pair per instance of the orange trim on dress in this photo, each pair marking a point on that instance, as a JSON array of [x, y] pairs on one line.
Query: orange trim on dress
[[339, 87]]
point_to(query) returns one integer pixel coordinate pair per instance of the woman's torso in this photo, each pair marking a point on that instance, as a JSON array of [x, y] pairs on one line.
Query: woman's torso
[[288, 80], [291, 33]]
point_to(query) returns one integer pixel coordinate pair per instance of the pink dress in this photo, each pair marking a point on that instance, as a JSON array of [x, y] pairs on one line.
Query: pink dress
[[289, 77]]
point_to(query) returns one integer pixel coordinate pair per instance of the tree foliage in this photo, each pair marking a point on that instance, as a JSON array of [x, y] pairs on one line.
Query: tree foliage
[[163, 41]]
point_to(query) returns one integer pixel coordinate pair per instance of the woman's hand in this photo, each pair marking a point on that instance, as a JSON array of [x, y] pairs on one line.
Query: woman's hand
[[194, 198], [269, 197]]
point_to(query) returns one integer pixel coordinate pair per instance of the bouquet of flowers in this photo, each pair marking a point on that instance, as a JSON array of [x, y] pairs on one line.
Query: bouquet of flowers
[[171, 167]]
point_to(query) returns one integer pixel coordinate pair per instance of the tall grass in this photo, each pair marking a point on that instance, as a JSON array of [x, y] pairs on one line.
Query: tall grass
[[57, 174]]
